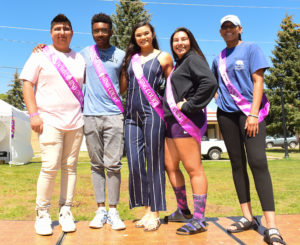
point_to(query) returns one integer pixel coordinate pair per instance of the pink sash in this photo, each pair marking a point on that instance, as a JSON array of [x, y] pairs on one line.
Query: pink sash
[[238, 98], [145, 86], [184, 122], [104, 78], [65, 74]]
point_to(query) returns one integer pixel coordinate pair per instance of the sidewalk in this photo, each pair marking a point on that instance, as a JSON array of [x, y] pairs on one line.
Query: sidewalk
[[22, 232]]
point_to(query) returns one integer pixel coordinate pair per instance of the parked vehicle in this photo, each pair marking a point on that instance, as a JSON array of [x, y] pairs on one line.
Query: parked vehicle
[[276, 140], [212, 148]]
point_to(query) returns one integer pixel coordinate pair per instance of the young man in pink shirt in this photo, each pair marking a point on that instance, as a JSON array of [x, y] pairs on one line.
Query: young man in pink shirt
[[52, 82]]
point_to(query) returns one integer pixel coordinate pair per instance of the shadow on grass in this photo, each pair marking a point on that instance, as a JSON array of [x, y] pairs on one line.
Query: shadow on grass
[[281, 150]]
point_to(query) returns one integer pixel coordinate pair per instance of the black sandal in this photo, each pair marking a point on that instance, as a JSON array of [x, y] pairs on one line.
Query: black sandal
[[178, 216], [272, 235], [194, 226], [243, 225]]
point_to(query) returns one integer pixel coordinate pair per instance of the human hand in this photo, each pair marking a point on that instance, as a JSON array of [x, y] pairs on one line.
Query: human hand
[[38, 47], [36, 124], [180, 103], [252, 126]]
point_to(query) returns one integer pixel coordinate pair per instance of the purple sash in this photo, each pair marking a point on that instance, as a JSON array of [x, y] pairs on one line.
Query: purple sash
[[104, 78], [239, 99], [145, 86], [65, 74], [184, 122]]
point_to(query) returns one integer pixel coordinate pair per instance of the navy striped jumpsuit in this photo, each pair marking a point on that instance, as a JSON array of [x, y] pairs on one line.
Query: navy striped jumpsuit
[[144, 141]]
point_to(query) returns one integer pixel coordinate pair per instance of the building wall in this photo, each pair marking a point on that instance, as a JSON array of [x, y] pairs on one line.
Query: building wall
[[213, 129]]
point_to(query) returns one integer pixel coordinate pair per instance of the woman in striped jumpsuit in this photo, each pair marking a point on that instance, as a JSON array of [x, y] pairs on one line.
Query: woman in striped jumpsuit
[[144, 128]]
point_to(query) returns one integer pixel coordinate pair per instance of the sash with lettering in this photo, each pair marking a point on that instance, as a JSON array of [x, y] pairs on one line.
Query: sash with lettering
[[184, 121], [65, 74], [238, 98], [104, 78], [145, 86]]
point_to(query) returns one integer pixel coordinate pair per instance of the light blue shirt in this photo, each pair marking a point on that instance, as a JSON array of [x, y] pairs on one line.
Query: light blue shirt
[[241, 62], [96, 101]]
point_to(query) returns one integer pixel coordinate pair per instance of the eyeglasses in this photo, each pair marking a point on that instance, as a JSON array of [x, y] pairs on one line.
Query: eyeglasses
[[225, 27]]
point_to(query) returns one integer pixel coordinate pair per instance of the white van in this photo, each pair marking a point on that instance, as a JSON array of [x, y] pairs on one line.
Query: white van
[[212, 148]]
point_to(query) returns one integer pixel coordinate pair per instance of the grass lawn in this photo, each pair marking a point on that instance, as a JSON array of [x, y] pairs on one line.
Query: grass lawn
[[18, 189]]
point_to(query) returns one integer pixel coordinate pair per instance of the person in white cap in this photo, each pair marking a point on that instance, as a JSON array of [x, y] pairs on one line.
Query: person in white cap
[[242, 107]]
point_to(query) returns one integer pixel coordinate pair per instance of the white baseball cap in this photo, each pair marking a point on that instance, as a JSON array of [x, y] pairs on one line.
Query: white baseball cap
[[232, 18]]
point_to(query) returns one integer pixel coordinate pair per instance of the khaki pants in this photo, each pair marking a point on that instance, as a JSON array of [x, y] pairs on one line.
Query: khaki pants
[[59, 150]]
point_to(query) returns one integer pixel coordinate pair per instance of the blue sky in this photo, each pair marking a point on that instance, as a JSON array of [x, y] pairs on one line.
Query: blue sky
[[23, 24]]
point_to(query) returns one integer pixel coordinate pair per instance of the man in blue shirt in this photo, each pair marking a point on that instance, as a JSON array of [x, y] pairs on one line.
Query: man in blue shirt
[[103, 124]]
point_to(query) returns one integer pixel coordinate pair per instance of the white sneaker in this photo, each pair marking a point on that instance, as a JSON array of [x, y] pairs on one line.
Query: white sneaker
[[114, 220], [43, 223], [66, 219], [99, 220]]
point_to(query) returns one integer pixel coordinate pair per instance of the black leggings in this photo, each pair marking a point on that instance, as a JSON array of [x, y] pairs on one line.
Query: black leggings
[[241, 147]]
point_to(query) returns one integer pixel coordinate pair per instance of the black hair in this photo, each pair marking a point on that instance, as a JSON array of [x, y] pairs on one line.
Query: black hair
[[60, 18], [194, 45], [101, 17], [133, 47]]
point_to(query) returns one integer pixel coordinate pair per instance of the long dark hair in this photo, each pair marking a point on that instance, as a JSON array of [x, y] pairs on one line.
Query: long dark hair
[[194, 45], [133, 47]]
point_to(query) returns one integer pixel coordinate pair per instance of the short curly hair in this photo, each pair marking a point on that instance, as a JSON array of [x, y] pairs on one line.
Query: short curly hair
[[101, 17]]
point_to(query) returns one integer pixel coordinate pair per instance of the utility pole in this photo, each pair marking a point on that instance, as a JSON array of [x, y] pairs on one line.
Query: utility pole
[[286, 152]]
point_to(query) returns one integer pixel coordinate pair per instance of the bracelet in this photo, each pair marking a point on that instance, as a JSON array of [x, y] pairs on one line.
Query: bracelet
[[33, 114], [252, 115]]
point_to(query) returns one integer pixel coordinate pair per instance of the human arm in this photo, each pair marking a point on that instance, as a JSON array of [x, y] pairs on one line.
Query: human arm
[[84, 76], [35, 121], [204, 83], [123, 82], [214, 69], [252, 122], [166, 63]]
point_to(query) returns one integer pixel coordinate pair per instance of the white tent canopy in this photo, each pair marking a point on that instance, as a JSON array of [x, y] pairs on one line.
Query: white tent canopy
[[15, 135]]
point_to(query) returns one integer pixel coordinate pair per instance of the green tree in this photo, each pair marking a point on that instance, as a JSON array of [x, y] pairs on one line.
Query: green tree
[[3, 97], [286, 61], [128, 14], [15, 94]]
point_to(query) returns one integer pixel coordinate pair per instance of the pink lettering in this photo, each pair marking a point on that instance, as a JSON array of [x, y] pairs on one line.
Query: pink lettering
[[64, 72], [104, 78]]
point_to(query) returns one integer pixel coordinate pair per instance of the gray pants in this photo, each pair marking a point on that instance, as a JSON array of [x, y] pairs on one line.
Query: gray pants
[[105, 143]]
